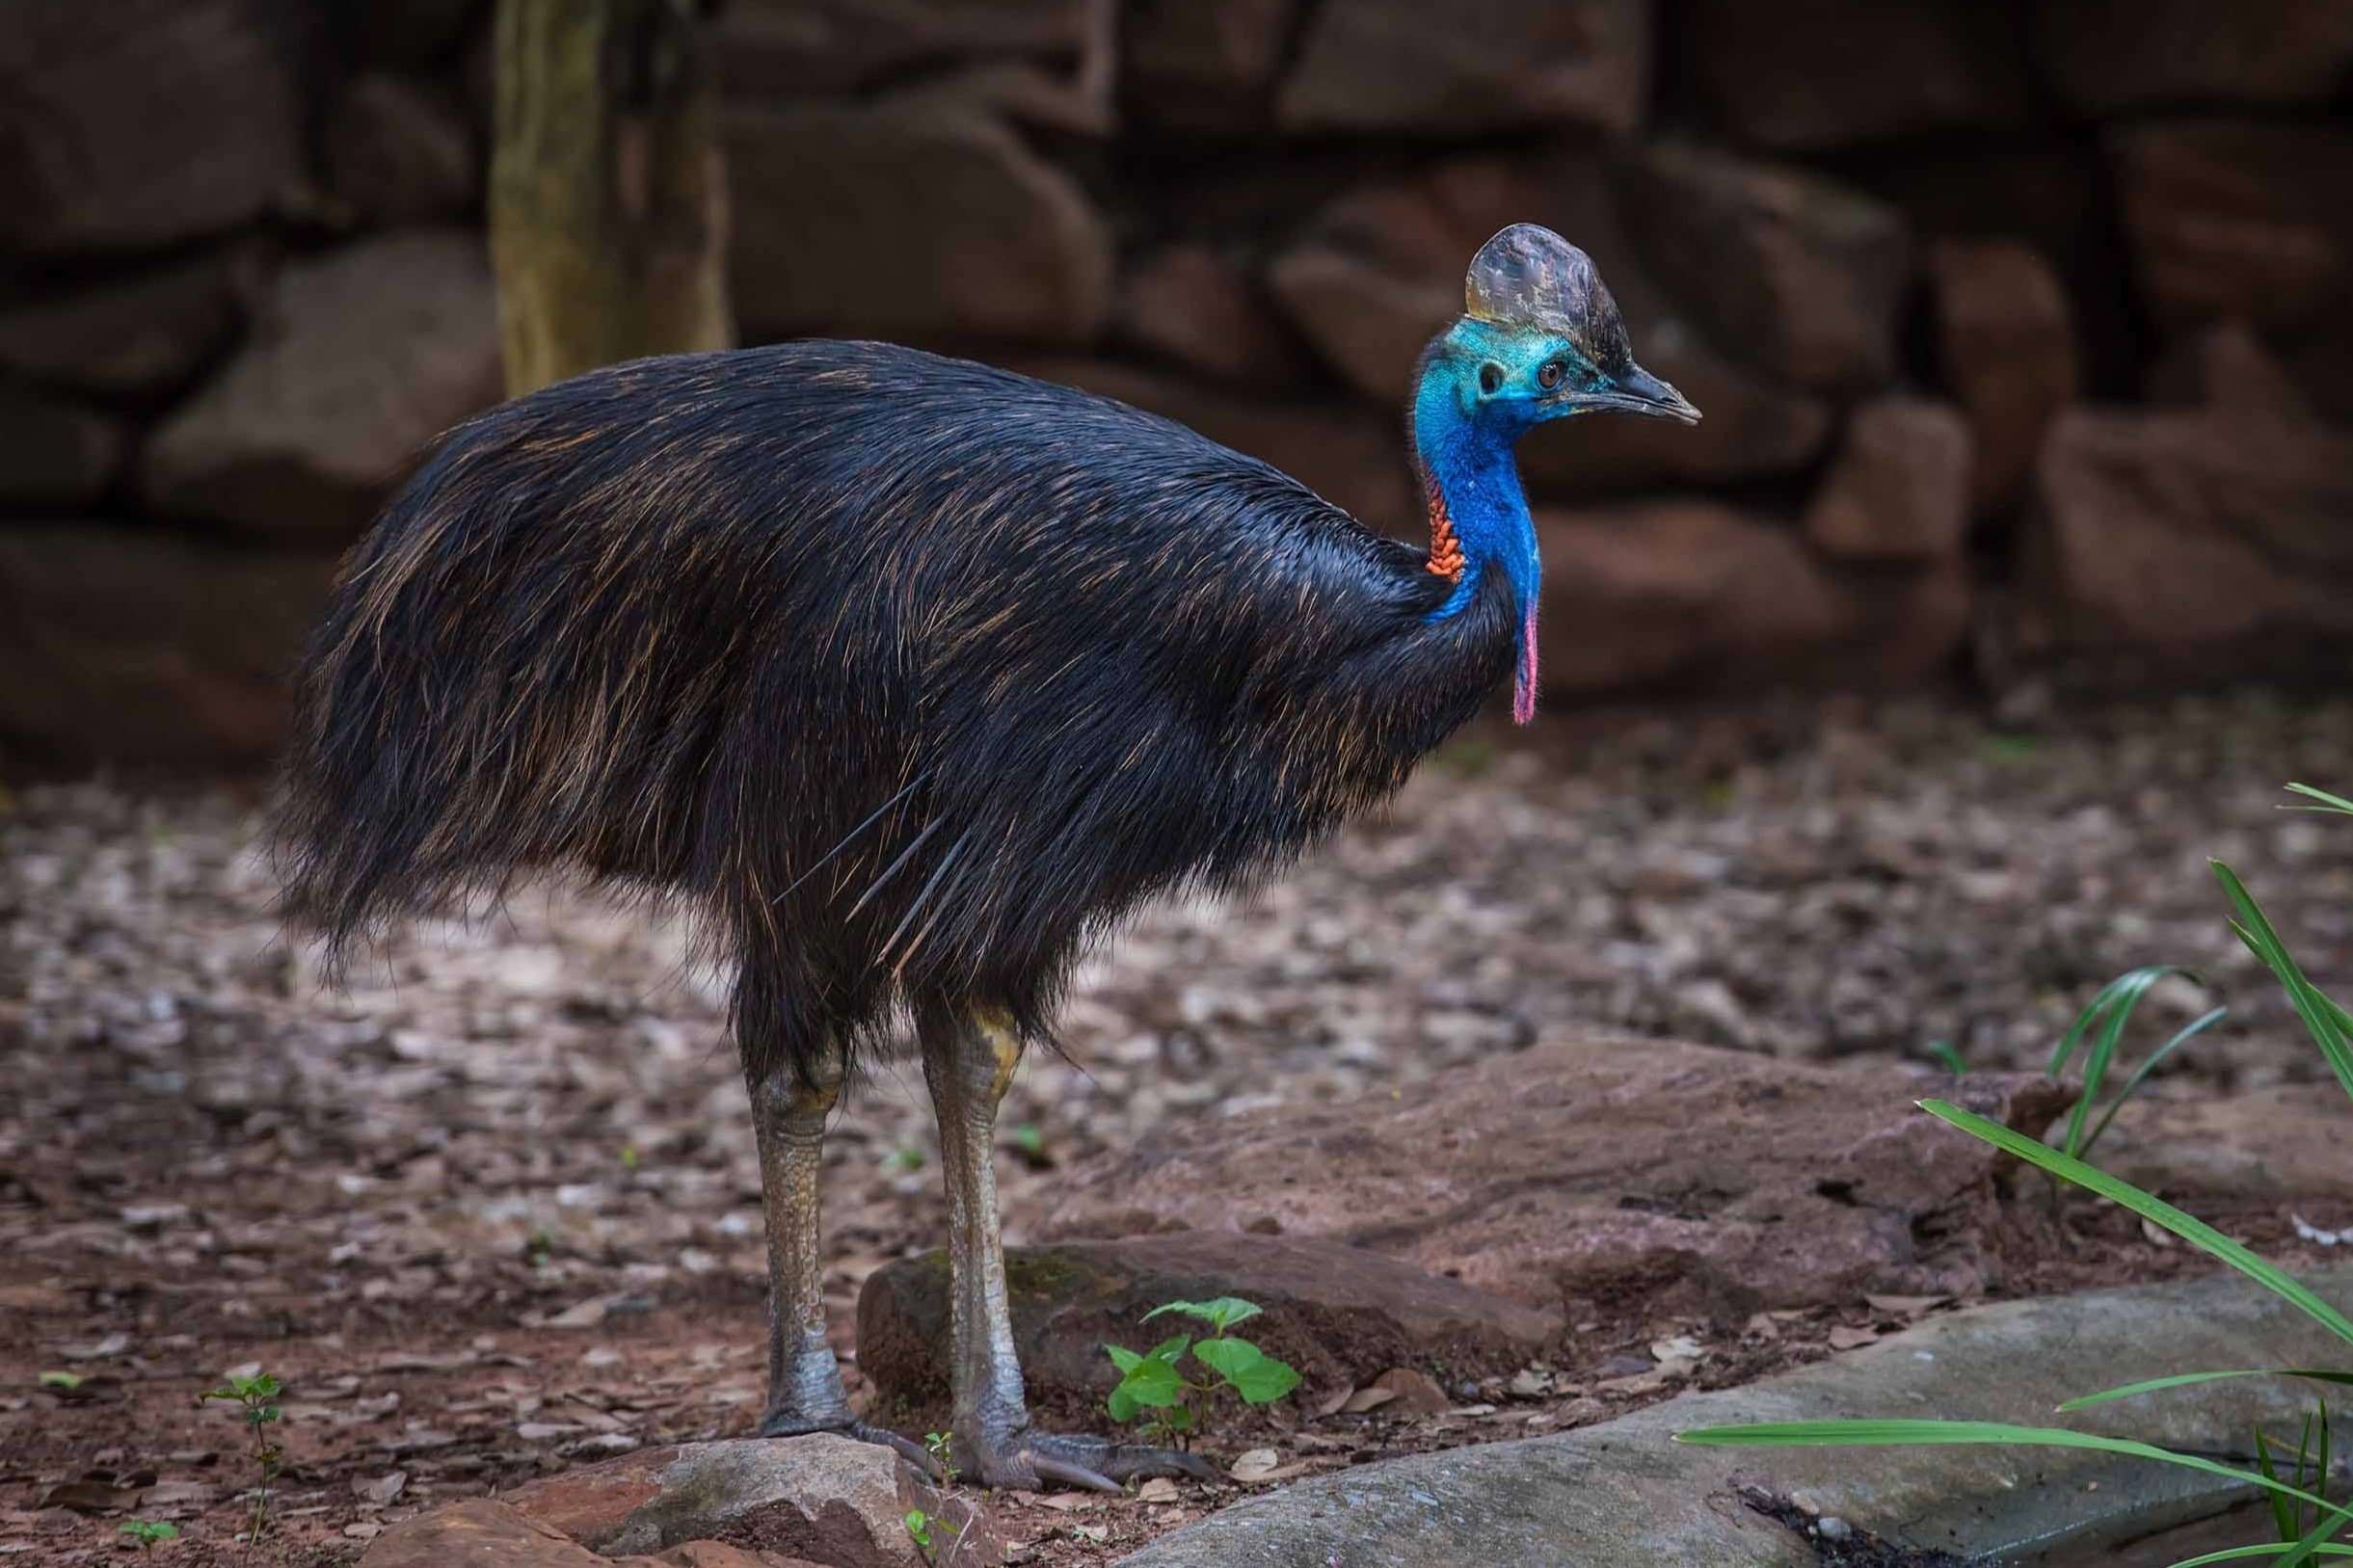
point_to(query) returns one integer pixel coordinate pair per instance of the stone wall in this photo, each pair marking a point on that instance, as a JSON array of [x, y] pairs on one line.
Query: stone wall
[[2022, 330]]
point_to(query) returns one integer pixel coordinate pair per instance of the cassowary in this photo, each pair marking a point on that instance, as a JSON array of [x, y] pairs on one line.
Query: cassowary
[[910, 677]]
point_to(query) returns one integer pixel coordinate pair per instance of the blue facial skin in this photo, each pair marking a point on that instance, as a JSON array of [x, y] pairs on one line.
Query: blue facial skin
[[1482, 388]]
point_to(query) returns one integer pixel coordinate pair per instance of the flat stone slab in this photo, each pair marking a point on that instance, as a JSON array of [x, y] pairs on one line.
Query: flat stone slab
[[1624, 1492], [1707, 1180], [777, 1502], [1343, 1316]]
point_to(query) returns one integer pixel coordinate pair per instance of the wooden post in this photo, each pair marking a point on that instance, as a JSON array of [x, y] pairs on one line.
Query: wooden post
[[607, 192]]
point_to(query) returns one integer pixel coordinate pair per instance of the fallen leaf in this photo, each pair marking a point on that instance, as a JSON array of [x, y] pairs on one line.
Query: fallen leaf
[[379, 1488], [1904, 1306], [1257, 1464], [1368, 1399], [1091, 1533], [2158, 1234], [1339, 1398], [114, 1345], [1159, 1489], [1416, 1392], [589, 1314], [1843, 1337]]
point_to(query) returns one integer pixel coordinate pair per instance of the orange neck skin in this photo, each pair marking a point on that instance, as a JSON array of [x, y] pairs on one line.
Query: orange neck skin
[[1445, 549]]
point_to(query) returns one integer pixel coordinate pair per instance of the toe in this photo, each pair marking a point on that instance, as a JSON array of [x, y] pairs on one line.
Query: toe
[[1071, 1474]]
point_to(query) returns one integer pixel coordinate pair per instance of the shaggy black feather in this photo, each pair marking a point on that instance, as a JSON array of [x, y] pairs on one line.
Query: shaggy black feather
[[910, 675]]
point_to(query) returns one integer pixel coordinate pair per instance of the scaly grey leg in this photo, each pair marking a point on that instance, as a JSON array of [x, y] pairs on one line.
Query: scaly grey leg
[[805, 1393], [969, 1065]]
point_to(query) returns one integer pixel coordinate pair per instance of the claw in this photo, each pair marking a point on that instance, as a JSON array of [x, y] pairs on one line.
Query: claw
[[1050, 1469]]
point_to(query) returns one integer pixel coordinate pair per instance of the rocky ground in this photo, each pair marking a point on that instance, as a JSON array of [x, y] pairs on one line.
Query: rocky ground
[[492, 1213]]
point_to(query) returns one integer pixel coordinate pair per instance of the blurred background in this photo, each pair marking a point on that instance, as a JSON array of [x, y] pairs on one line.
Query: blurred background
[[2024, 331]]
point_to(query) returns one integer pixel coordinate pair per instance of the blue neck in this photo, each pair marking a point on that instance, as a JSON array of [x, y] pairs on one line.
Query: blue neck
[[1471, 463]]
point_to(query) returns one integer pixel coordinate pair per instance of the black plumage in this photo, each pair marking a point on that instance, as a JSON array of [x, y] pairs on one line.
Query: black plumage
[[908, 673]]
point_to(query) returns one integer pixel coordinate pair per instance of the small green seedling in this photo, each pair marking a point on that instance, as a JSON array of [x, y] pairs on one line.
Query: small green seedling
[[147, 1531], [1154, 1381], [908, 1159], [62, 1382], [941, 1446], [1947, 1056], [540, 1248], [918, 1525], [628, 1156], [257, 1400]]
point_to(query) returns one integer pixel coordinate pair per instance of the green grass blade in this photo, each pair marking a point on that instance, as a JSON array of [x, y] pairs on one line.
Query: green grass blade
[[2324, 1020], [2084, 1019], [2127, 991], [2182, 1381], [2197, 1233], [2132, 1085], [2326, 801], [2309, 1545], [2287, 1517], [1844, 1434], [2239, 1553]]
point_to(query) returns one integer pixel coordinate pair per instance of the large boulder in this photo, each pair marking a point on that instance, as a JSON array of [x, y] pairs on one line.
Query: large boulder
[[126, 645], [1899, 489], [135, 337], [2189, 540], [1378, 270], [1203, 65], [2239, 218], [146, 122], [1402, 67], [1342, 1315], [1195, 305], [2006, 342], [1576, 1170], [2190, 51], [778, 51], [1800, 275], [357, 360], [399, 151], [61, 455], [2228, 368], [1694, 595], [1817, 74], [911, 220]]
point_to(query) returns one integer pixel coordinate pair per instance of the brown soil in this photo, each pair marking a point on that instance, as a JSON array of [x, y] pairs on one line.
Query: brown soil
[[492, 1213]]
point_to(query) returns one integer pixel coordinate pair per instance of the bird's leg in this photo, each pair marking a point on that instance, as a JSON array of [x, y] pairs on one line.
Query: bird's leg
[[969, 1064], [805, 1393]]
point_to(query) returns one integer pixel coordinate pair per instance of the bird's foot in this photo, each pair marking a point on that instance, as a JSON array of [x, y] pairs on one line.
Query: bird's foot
[[786, 1423], [1031, 1460]]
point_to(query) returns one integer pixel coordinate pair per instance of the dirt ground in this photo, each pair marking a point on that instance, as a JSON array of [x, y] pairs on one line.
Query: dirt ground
[[493, 1211]]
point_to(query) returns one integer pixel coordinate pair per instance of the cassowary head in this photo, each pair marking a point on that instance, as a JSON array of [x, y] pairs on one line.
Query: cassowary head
[[1539, 339]]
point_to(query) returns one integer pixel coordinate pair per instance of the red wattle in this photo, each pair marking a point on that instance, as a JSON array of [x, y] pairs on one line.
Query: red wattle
[[1523, 684]]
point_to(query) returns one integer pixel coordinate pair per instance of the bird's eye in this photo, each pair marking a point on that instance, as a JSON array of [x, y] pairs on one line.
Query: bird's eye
[[1549, 377], [1490, 378]]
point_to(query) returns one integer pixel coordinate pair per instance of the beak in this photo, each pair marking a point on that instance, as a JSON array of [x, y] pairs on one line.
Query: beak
[[1639, 392]]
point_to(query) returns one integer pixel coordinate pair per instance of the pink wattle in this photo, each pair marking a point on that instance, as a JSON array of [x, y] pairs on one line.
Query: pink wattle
[[1523, 685]]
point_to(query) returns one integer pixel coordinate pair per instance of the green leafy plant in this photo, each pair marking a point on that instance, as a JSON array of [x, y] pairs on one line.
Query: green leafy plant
[[918, 1525], [148, 1533], [62, 1382], [1153, 1384], [255, 1398], [2302, 1487]]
